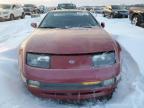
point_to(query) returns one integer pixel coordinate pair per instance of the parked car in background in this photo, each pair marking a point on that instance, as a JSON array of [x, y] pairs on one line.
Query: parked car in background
[[30, 9], [42, 9], [136, 15], [88, 8], [115, 11], [92, 10], [70, 57], [99, 10], [11, 12], [66, 6]]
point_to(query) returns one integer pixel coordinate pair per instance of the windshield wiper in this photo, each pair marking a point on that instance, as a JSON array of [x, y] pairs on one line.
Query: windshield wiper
[[87, 26], [79, 27], [50, 27]]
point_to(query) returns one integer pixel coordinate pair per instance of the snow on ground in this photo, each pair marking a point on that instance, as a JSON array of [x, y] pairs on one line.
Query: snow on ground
[[130, 36], [130, 91]]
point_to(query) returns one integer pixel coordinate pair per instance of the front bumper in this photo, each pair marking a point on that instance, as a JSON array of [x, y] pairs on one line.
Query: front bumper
[[72, 91], [2, 18], [142, 20], [66, 84], [28, 13], [121, 15], [79, 94]]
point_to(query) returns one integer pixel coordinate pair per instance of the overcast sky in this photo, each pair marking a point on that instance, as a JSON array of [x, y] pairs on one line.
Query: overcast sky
[[78, 2]]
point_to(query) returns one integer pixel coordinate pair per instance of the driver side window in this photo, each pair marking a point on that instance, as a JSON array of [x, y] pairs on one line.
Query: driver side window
[[14, 7]]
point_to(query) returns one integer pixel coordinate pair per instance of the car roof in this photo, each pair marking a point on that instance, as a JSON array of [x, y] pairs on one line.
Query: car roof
[[12, 4], [69, 10], [7, 4], [28, 4], [65, 3]]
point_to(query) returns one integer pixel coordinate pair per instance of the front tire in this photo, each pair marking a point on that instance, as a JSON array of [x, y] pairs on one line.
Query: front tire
[[111, 16], [22, 16], [104, 14], [12, 17], [136, 20]]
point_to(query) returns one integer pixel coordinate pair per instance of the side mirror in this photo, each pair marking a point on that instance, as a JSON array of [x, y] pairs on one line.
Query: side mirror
[[13, 7], [34, 25], [103, 25]]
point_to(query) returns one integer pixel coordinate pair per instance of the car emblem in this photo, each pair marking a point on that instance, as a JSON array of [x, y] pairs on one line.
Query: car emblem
[[71, 61]]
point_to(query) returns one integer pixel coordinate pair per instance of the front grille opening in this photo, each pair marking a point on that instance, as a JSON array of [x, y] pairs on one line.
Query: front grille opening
[[72, 94]]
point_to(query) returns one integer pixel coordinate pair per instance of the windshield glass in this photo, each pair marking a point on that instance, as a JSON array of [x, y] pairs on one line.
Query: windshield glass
[[141, 6], [68, 20], [118, 7], [5, 6], [66, 6], [28, 5]]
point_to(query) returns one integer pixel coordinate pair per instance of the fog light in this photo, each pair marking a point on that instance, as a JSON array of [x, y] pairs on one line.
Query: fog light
[[91, 83], [32, 83], [118, 78], [109, 82], [23, 78]]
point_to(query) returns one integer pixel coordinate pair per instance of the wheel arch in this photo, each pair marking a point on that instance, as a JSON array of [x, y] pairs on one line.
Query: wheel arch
[[136, 14]]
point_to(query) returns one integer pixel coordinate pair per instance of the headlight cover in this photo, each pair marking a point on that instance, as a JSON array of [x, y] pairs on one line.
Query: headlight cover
[[104, 59], [5, 12], [38, 60], [35, 84], [109, 82], [116, 12]]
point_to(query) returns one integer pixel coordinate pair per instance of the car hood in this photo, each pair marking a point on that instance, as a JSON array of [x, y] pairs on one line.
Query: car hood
[[141, 9], [121, 10], [28, 7], [3, 10], [69, 41]]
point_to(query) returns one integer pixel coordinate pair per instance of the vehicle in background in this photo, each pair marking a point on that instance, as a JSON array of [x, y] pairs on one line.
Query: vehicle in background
[[115, 11], [99, 10], [89, 8], [42, 9], [66, 6], [30, 9], [11, 12], [70, 56], [92, 10], [136, 15]]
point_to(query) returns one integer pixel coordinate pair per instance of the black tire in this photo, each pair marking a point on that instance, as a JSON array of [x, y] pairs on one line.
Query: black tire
[[12, 17], [136, 20], [111, 16], [2, 20], [104, 14], [109, 96], [22, 16]]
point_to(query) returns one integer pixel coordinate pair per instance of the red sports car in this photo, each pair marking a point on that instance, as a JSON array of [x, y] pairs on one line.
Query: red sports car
[[70, 56]]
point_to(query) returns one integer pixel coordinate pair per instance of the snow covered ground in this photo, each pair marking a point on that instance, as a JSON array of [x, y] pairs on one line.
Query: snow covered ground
[[130, 91]]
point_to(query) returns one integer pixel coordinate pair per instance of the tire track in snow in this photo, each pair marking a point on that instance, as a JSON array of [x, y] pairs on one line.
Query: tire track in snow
[[12, 30]]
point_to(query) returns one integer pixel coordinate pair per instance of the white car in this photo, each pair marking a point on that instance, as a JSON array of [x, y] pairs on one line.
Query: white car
[[11, 12]]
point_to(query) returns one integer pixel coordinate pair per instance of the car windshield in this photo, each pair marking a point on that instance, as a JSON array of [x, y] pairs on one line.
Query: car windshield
[[69, 20], [141, 6], [5, 6], [66, 6], [118, 7], [28, 5]]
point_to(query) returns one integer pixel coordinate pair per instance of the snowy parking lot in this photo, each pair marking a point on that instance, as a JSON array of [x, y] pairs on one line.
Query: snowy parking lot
[[130, 91]]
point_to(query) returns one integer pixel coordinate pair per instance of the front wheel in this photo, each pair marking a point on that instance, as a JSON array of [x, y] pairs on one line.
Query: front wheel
[[111, 16], [22, 16], [104, 15], [12, 17], [136, 20]]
